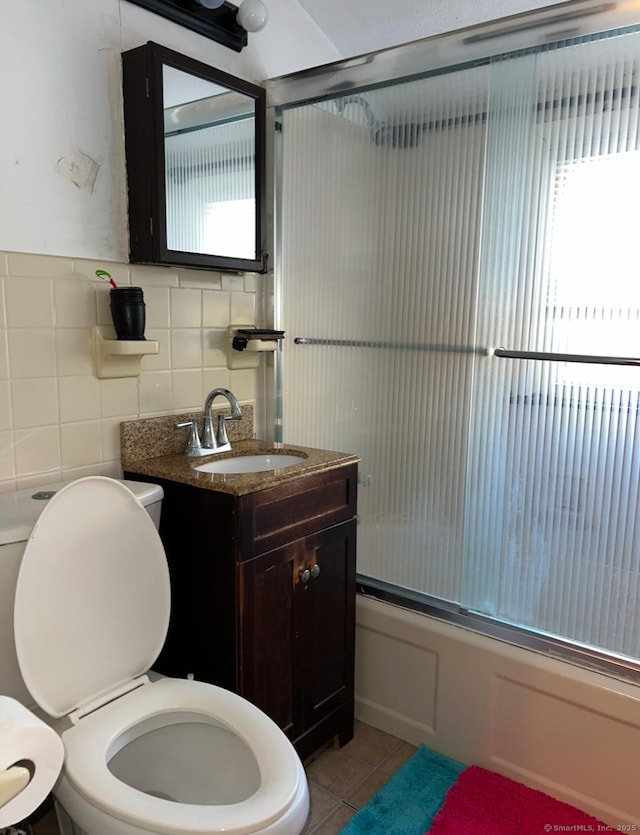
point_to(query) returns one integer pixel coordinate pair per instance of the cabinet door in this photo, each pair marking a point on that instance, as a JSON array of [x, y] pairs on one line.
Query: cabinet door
[[296, 631], [267, 632], [326, 602]]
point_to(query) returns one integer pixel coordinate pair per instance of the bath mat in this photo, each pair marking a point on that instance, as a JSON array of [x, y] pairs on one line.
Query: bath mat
[[482, 801], [407, 804], [435, 795]]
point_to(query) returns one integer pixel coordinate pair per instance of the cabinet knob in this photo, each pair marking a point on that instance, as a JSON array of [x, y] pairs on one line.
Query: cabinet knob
[[315, 570], [305, 575]]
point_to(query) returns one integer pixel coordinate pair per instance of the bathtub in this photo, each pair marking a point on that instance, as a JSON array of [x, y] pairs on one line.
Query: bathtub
[[555, 726]]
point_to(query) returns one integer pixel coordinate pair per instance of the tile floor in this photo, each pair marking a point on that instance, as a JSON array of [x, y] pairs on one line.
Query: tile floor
[[341, 781]]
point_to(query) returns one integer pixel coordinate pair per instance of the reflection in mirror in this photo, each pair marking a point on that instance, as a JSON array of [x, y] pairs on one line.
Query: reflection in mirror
[[209, 153], [195, 148]]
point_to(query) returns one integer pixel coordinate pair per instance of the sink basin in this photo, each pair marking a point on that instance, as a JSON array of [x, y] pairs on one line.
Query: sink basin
[[250, 464]]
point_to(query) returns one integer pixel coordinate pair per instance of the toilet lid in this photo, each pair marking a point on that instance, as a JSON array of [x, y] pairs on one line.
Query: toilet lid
[[92, 598]]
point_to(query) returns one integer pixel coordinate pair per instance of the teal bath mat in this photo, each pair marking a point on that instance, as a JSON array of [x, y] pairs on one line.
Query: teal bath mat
[[408, 803]]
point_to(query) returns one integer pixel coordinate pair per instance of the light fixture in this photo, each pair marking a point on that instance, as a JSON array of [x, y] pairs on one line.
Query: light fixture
[[252, 15], [219, 20]]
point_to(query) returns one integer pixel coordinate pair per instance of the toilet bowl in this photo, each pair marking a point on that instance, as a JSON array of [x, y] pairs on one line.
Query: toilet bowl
[[142, 756]]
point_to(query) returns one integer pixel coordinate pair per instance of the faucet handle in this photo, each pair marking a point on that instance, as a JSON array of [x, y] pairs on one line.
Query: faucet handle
[[194, 447], [221, 434]]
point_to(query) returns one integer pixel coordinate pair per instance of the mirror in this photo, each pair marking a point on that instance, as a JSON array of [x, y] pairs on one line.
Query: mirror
[[195, 148]]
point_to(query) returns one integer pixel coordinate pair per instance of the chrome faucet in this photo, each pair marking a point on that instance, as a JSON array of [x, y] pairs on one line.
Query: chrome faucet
[[218, 442]]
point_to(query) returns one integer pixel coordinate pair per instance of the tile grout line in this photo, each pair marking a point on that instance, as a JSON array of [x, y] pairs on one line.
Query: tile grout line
[[344, 801], [374, 769]]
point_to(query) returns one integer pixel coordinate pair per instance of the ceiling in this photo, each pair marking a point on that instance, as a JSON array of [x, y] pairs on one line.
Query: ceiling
[[356, 27]]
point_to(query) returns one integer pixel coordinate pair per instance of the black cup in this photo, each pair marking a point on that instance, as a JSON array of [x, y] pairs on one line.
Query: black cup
[[128, 312]]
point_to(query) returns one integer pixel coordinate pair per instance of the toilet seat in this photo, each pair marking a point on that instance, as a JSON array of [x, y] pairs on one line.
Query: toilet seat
[[92, 599], [115, 724]]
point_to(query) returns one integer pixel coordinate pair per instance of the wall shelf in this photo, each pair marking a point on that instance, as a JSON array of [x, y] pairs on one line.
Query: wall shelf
[[119, 357], [245, 343]]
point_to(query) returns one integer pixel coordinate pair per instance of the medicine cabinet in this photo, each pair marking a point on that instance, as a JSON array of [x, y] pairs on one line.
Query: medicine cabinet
[[196, 160]]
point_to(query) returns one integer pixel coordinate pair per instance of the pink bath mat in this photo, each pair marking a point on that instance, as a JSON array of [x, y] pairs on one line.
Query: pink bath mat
[[484, 803]]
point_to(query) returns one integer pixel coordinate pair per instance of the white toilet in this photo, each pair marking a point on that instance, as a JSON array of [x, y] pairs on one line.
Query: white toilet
[[166, 756]]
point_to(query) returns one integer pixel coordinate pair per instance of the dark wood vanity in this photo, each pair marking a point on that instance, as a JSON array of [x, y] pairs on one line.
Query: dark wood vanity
[[263, 595]]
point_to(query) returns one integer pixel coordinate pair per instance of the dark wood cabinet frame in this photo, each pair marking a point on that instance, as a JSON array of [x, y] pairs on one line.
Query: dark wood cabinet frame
[[144, 147]]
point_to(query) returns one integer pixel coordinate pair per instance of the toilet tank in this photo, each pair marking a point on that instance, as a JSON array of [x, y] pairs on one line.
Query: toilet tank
[[18, 513], [20, 509]]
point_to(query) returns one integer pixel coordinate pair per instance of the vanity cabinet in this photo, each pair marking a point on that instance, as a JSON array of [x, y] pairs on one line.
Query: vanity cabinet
[[263, 597]]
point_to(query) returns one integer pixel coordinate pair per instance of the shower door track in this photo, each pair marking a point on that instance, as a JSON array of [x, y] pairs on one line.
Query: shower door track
[[573, 652]]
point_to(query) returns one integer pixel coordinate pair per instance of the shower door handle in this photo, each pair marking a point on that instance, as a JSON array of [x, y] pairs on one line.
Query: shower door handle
[[551, 356]]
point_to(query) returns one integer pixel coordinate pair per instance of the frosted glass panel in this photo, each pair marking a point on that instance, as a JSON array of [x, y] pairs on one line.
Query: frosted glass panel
[[552, 540], [380, 233]]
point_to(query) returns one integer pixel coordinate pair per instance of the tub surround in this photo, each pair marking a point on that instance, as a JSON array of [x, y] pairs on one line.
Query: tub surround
[[154, 448]]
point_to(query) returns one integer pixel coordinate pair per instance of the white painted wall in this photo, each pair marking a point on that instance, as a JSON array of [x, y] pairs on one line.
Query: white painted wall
[[62, 164]]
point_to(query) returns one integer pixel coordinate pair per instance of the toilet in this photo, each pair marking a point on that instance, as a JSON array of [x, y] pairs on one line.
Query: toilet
[[143, 754]]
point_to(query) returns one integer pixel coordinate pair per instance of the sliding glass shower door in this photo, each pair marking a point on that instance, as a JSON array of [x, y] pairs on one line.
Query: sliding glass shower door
[[554, 455], [458, 287], [379, 269]]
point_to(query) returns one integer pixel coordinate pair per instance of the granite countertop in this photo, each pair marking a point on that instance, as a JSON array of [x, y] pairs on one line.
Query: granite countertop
[[177, 467]]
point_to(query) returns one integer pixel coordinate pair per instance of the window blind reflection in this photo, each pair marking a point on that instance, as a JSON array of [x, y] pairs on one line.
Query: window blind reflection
[[210, 181]]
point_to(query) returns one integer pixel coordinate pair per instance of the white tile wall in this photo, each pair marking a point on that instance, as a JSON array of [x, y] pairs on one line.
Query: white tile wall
[[57, 419]]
